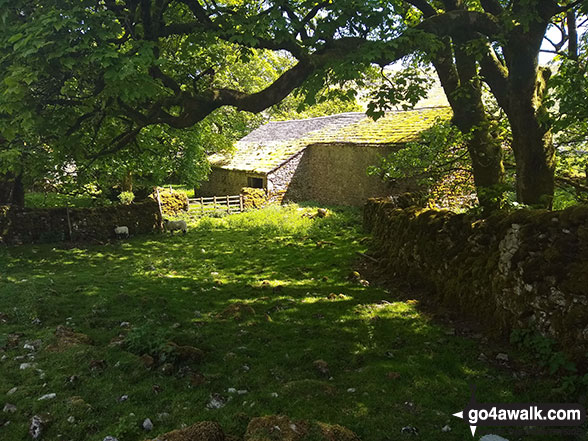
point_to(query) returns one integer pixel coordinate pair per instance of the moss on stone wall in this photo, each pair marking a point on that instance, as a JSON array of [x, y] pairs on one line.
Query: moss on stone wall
[[256, 198], [19, 226], [526, 269], [172, 202], [253, 198]]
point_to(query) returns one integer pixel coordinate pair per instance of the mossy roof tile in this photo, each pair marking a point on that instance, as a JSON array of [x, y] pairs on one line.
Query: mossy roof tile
[[269, 146]]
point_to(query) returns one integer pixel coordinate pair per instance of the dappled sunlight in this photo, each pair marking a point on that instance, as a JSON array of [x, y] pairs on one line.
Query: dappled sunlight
[[265, 312]]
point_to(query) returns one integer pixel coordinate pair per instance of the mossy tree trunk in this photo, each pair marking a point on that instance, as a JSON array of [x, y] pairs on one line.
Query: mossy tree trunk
[[519, 85], [460, 80]]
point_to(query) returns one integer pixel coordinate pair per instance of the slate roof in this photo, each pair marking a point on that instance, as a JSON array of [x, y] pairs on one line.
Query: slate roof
[[269, 146]]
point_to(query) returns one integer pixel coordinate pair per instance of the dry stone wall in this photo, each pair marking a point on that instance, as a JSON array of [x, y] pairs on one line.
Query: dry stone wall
[[523, 270], [22, 225]]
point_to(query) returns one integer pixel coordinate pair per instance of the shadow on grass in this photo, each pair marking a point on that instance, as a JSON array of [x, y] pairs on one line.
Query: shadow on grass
[[388, 367]]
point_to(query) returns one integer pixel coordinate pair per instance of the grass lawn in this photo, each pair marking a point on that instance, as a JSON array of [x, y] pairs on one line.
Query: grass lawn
[[267, 297]]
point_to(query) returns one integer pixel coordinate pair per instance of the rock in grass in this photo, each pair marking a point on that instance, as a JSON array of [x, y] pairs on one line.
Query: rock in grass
[[110, 438], [47, 397], [36, 427], [216, 401], [204, 431], [502, 357], [12, 391], [147, 425], [492, 438], [409, 430], [9, 408]]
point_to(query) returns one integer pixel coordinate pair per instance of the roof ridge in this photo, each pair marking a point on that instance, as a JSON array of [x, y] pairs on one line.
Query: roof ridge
[[355, 114]]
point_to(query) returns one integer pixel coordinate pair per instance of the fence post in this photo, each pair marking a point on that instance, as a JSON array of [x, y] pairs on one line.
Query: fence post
[[241, 203], [228, 205], [160, 210], [68, 221]]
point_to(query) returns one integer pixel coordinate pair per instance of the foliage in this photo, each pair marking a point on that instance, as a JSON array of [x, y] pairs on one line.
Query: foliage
[[438, 163], [53, 199], [126, 197], [155, 82], [402, 88], [273, 220], [548, 357], [147, 339]]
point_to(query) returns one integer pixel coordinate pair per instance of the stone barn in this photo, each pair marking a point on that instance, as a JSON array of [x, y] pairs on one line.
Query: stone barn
[[322, 159]]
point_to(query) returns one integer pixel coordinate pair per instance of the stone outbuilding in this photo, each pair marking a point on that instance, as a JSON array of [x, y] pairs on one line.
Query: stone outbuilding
[[323, 159]]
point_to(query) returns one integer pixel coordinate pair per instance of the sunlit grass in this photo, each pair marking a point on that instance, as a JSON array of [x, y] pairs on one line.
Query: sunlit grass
[[291, 274]]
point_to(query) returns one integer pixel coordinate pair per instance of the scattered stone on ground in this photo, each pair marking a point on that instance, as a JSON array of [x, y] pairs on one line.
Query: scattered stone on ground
[[147, 425], [24, 366], [409, 430], [110, 438], [492, 438], [47, 397], [204, 431], [9, 408], [71, 419], [123, 398], [446, 428], [502, 357], [216, 401], [36, 427], [12, 391]]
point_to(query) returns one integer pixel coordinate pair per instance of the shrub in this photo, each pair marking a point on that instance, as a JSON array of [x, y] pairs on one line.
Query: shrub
[[126, 197]]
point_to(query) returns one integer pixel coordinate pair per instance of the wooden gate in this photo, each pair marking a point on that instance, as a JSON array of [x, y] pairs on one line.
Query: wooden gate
[[229, 204]]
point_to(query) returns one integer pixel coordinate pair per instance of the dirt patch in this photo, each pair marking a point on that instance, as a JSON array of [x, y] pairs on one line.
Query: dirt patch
[[204, 431], [66, 338], [237, 311]]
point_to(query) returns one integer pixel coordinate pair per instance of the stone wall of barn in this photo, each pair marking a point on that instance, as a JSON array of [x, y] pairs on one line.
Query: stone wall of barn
[[336, 174], [223, 182], [279, 180]]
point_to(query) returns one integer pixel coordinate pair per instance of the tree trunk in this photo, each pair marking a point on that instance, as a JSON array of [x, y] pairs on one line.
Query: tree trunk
[[532, 142], [12, 190], [18, 193], [6, 188], [535, 159], [462, 87]]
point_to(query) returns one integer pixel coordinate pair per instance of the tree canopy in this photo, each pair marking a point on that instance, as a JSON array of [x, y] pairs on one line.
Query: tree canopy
[[89, 78]]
